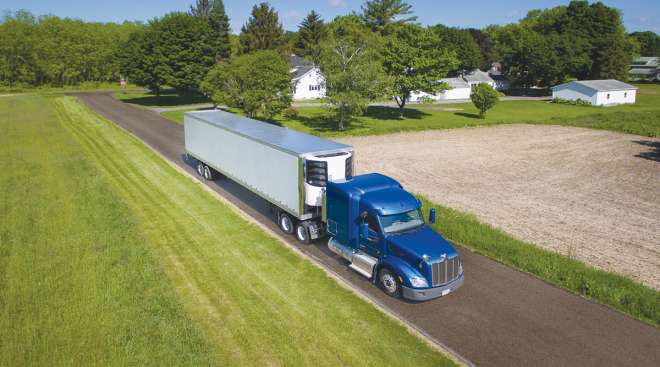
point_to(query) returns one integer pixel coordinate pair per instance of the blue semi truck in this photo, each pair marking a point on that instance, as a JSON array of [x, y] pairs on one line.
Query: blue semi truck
[[369, 220]]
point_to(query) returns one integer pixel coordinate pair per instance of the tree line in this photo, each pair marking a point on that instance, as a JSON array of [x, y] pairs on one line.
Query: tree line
[[378, 51], [48, 50]]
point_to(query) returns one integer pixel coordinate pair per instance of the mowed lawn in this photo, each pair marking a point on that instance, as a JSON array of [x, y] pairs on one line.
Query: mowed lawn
[[110, 256], [78, 285], [642, 118]]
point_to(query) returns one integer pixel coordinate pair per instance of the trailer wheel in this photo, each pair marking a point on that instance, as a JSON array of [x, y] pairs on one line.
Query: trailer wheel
[[200, 168], [389, 283], [302, 233], [208, 173], [286, 223]]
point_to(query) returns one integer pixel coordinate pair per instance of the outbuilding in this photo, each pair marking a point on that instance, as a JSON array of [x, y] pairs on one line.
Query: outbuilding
[[597, 92], [458, 89]]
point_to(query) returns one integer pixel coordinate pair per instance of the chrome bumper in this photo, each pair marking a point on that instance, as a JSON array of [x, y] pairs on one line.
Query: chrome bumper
[[425, 294]]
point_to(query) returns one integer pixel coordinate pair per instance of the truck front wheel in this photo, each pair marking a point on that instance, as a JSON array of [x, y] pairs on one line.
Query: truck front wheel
[[389, 283], [302, 233], [286, 223]]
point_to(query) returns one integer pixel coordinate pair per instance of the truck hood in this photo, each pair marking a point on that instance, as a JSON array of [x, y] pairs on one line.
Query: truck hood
[[412, 245]]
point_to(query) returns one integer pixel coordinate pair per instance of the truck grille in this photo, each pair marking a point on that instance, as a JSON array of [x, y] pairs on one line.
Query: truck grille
[[445, 271]]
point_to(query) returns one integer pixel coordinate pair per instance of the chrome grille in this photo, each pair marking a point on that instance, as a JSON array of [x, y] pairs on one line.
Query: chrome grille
[[445, 271]]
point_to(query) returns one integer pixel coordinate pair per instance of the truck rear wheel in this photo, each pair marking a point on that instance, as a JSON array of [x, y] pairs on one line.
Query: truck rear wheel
[[389, 283], [208, 173], [200, 168], [302, 233], [285, 222]]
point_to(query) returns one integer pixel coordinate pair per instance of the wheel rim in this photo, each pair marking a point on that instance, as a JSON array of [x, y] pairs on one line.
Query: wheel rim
[[301, 232], [285, 223], [389, 283], [200, 170], [207, 173]]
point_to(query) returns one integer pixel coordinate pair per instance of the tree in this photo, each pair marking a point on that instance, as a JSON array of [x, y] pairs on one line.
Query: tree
[[350, 62], [263, 31], [460, 41], [649, 43], [138, 61], [381, 14], [311, 33], [202, 8], [485, 48], [220, 30], [258, 83], [183, 51], [484, 98], [415, 60]]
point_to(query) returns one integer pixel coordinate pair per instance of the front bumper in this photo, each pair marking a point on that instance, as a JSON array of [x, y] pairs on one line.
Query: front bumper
[[424, 294]]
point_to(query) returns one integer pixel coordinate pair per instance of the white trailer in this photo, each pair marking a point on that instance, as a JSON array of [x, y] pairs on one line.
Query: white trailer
[[287, 168]]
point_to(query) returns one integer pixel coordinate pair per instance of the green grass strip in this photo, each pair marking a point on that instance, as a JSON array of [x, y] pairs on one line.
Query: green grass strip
[[78, 285], [614, 290]]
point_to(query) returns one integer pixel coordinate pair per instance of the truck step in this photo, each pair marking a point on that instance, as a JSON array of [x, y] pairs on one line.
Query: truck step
[[364, 264]]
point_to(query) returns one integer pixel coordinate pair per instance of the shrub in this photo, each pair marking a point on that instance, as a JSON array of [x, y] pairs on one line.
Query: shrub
[[576, 102], [484, 98], [290, 113]]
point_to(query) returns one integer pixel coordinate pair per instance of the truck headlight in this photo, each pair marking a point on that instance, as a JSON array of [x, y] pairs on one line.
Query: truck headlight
[[418, 282]]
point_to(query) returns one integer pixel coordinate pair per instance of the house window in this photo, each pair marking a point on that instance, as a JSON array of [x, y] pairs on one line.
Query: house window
[[625, 94], [608, 96], [314, 87]]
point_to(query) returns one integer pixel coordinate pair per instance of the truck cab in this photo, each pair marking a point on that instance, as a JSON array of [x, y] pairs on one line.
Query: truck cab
[[379, 228]]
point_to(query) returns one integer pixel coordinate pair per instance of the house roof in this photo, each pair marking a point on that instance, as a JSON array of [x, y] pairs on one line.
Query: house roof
[[300, 66], [601, 85], [455, 82], [643, 71], [653, 61], [478, 76]]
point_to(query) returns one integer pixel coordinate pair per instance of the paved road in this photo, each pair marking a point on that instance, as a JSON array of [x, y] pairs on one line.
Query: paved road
[[500, 317]]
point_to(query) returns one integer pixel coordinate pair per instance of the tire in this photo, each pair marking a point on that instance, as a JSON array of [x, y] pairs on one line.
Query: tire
[[200, 168], [389, 283], [302, 233], [285, 222], [208, 173]]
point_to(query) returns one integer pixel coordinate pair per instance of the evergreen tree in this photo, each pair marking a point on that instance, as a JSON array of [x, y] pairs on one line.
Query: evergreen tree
[[220, 30], [380, 14], [310, 34], [263, 31], [202, 8]]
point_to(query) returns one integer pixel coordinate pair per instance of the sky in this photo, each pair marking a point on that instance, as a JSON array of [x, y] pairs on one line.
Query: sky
[[638, 15]]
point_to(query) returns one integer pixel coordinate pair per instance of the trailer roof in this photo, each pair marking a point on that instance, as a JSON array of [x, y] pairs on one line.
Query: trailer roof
[[282, 138]]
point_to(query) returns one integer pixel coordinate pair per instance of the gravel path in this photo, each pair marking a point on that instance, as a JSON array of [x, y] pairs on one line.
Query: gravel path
[[591, 194]]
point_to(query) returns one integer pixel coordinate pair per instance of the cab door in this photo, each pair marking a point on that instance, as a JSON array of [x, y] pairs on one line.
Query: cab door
[[372, 245]]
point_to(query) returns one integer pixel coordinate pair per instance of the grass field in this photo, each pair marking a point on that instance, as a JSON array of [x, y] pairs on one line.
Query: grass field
[[614, 290], [77, 283], [114, 257], [642, 118]]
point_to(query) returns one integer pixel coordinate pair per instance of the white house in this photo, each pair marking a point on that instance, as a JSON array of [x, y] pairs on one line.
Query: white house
[[459, 89], [597, 92], [477, 77], [307, 80]]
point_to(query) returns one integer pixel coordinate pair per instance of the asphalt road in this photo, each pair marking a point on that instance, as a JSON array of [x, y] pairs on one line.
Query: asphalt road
[[500, 317]]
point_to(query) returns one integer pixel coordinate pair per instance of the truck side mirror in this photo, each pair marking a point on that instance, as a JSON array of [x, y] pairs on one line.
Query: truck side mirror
[[432, 215], [364, 230]]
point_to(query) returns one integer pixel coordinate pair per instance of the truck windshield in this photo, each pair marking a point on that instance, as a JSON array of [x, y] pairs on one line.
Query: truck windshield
[[402, 221]]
